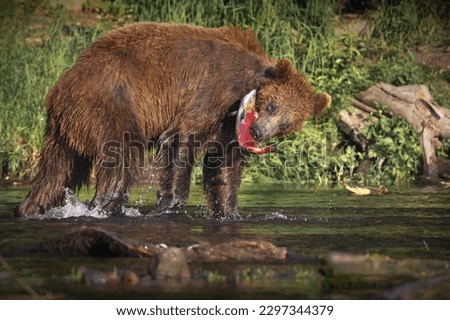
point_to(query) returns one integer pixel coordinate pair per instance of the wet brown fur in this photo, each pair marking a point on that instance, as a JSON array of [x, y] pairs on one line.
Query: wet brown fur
[[161, 84]]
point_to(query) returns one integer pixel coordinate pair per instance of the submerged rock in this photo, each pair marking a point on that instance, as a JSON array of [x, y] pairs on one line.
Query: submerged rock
[[129, 278], [96, 278], [383, 266], [432, 288], [170, 263]]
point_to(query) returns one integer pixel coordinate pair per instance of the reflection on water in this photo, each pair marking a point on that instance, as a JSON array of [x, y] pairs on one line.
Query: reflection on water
[[407, 223]]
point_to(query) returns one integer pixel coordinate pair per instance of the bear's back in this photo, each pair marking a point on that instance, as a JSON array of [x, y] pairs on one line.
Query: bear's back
[[143, 41]]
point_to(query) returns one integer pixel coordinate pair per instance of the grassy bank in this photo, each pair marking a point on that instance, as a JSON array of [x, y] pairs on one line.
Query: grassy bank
[[39, 42]]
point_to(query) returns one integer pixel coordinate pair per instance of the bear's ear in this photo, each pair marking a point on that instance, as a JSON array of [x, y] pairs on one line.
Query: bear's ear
[[283, 69], [322, 101]]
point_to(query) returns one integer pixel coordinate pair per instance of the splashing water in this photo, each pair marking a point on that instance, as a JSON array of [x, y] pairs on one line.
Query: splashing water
[[277, 215], [74, 207]]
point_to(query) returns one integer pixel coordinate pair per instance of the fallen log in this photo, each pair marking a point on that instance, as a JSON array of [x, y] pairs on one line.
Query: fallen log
[[353, 123], [96, 241], [412, 103]]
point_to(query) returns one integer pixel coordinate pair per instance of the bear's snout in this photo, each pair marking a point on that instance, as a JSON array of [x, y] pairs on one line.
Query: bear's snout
[[256, 133]]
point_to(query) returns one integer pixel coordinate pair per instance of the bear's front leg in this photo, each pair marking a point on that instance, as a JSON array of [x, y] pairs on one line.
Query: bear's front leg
[[173, 162], [222, 170]]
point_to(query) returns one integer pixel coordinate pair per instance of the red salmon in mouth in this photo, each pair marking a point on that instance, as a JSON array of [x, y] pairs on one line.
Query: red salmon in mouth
[[245, 116]]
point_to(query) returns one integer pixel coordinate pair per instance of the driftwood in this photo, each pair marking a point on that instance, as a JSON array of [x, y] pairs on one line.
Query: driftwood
[[412, 103], [96, 241], [353, 123]]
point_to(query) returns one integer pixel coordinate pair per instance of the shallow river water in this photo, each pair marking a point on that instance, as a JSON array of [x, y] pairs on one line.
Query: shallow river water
[[407, 223]]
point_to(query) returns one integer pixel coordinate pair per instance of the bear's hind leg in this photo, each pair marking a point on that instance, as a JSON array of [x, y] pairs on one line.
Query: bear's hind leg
[[116, 168], [60, 166]]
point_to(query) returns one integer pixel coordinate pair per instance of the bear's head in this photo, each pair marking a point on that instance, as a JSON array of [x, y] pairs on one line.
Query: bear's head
[[284, 102]]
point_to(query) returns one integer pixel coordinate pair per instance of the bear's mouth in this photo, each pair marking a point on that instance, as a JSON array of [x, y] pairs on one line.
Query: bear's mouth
[[245, 116]]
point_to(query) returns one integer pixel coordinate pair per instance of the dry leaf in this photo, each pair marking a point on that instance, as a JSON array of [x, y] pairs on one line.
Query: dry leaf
[[358, 191], [365, 191]]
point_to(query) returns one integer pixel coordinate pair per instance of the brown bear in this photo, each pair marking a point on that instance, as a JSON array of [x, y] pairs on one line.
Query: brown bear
[[174, 87]]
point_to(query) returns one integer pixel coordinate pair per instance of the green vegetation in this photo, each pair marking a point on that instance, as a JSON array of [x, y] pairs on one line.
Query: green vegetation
[[38, 43], [214, 277]]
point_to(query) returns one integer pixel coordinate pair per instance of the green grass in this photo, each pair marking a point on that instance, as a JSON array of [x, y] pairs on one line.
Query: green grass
[[36, 46]]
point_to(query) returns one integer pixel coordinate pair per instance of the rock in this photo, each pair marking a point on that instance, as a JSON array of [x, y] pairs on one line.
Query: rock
[[95, 278], [114, 278], [170, 263], [383, 266], [239, 250], [438, 57], [146, 281], [68, 5], [129, 278], [432, 288], [352, 24]]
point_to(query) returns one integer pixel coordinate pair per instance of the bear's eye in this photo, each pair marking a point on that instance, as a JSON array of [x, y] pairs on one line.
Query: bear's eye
[[284, 126], [269, 73], [271, 107]]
